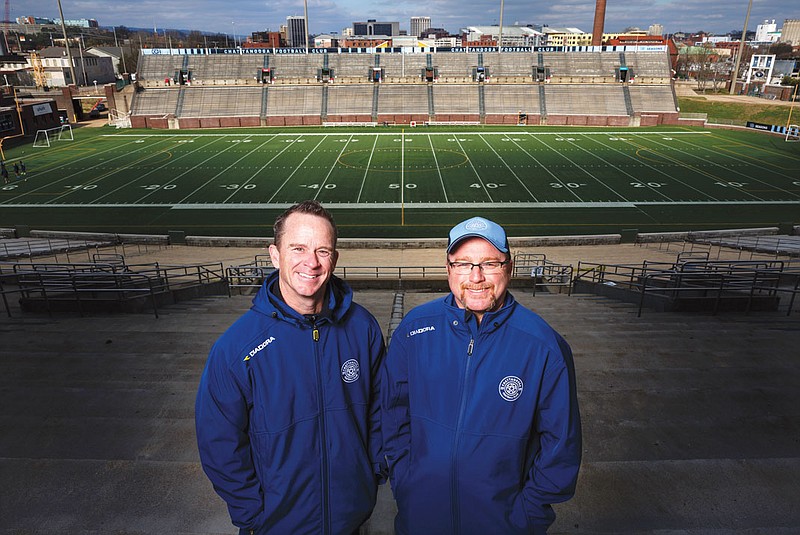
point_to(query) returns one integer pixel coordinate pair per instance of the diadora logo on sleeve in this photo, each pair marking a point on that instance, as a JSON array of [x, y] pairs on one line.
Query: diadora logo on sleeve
[[351, 371], [421, 330], [510, 388], [259, 347]]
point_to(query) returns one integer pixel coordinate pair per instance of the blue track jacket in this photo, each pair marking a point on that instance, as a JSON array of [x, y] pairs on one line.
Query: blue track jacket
[[481, 425], [288, 419]]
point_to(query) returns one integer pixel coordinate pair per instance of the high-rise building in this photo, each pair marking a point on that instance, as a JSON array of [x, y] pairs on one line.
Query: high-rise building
[[419, 25], [766, 32], [791, 31], [372, 27], [296, 33], [655, 29]]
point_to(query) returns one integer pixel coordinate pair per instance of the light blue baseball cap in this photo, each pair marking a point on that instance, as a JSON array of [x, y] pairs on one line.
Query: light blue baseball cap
[[478, 227]]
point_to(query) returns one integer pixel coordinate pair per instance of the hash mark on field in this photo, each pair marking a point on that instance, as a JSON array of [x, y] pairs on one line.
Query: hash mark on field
[[514, 140], [297, 168], [483, 186]]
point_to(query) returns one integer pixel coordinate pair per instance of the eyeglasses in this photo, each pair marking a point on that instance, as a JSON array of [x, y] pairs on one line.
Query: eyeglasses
[[465, 268]]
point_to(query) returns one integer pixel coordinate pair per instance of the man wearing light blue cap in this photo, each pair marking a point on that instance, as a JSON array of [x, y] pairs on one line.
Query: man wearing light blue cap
[[480, 421]]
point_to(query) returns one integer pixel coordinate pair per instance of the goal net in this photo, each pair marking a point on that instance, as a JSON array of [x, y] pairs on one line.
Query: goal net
[[60, 133], [119, 120], [793, 133]]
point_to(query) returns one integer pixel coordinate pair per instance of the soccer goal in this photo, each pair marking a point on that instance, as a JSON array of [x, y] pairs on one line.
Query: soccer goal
[[793, 133], [60, 133], [119, 120]]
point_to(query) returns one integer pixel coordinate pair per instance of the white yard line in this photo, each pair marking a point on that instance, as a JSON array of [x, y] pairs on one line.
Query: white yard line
[[654, 169], [300, 165], [79, 173], [509, 168], [333, 166], [259, 169], [743, 176], [438, 170], [615, 192], [366, 171], [483, 186], [156, 170]]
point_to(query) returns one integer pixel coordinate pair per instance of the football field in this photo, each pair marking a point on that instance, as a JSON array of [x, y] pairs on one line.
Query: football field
[[411, 182]]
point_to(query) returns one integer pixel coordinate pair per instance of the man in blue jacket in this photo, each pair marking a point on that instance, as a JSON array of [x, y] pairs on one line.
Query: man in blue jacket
[[480, 424], [287, 413]]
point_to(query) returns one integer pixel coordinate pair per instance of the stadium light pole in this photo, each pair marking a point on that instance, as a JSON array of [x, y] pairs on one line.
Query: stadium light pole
[[66, 44], [305, 16], [500, 33], [735, 73]]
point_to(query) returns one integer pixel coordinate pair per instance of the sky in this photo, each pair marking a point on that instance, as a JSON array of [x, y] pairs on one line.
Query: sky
[[241, 17]]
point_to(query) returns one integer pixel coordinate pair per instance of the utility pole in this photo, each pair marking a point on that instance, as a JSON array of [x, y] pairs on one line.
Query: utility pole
[[66, 44], [735, 73]]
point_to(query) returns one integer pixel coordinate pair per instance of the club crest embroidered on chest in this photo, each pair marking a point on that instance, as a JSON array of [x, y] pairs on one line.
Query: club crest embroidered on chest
[[351, 371], [510, 388]]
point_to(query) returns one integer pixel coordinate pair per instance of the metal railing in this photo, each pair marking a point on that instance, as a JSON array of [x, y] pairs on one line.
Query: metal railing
[[718, 280], [92, 281], [535, 267]]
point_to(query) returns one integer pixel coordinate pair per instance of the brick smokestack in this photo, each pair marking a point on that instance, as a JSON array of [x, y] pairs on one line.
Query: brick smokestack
[[599, 22]]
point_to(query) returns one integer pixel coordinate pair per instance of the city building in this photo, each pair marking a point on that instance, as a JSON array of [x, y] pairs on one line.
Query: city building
[[575, 37], [264, 40], [326, 40], [89, 68], [566, 36], [113, 52], [361, 41], [372, 28], [790, 33], [767, 32], [512, 36], [296, 35], [81, 23], [419, 25], [655, 29]]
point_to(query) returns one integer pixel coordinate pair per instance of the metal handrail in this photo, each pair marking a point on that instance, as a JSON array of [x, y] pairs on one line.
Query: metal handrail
[[81, 280], [715, 278]]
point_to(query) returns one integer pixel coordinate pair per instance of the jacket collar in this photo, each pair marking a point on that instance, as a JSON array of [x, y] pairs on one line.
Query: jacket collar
[[339, 297], [490, 321]]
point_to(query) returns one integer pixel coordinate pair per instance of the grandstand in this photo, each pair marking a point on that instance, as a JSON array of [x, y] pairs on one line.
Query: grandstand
[[595, 88]]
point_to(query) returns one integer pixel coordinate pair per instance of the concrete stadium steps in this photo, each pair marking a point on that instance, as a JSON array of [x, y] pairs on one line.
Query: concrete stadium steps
[[455, 99], [582, 89], [221, 102], [690, 421], [512, 99], [154, 102], [653, 99], [236, 69], [576, 99], [350, 99], [294, 100], [649, 64], [103, 429]]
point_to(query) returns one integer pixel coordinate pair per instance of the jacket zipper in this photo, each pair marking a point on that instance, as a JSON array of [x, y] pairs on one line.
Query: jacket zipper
[[323, 433], [454, 463]]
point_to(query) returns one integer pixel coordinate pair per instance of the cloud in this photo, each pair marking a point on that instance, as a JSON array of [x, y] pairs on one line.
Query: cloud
[[718, 16]]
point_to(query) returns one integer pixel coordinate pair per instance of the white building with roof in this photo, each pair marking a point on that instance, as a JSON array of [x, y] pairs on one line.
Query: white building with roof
[[512, 35]]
